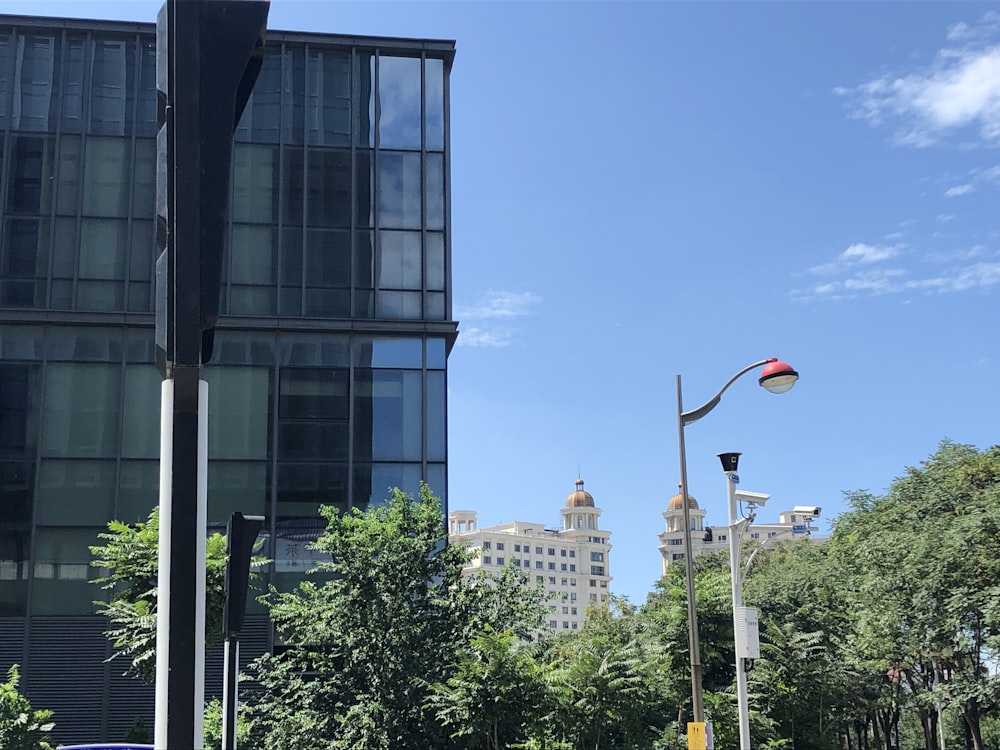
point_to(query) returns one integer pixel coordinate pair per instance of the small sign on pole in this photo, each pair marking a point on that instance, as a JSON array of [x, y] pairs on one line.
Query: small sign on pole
[[700, 735]]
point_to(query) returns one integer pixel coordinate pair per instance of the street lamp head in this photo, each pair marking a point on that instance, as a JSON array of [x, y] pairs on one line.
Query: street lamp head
[[777, 376]]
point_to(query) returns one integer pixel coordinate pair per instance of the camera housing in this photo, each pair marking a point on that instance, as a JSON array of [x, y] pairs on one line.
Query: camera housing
[[808, 510], [753, 498]]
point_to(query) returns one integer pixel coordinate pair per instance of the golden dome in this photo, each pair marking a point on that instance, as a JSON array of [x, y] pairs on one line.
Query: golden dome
[[580, 498], [676, 503]]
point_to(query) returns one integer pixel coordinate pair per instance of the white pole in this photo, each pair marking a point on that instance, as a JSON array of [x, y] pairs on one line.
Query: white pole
[[736, 527], [163, 584]]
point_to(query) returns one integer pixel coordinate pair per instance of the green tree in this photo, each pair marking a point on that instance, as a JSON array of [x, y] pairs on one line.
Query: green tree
[[131, 557], [363, 647], [496, 693], [21, 727]]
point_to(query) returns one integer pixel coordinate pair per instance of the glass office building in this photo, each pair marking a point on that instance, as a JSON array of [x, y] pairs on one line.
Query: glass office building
[[328, 381]]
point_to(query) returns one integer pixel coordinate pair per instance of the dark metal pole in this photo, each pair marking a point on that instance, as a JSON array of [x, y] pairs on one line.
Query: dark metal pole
[[230, 691], [694, 647]]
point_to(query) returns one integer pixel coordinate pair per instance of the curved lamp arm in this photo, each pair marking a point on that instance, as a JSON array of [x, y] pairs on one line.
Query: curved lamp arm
[[694, 415]]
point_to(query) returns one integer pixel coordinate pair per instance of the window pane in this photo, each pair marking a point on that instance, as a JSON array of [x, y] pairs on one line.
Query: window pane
[[75, 493], [388, 353], [399, 260], [260, 116], [399, 190], [399, 305], [70, 170], [81, 410], [328, 258], [294, 99], [329, 189], [19, 403], [138, 490], [72, 84], [100, 295], [434, 103], [292, 186], [314, 393], [15, 555], [399, 102], [147, 89], [255, 183], [238, 397], [106, 177], [436, 415], [34, 74], [387, 414], [364, 124], [110, 86], [141, 422], [103, 249], [144, 192], [32, 172], [434, 306], [303, 487], [63, 571], [252, 254], [434, 191], [435, 261], [374, 482], [236, 486], [328, 115]]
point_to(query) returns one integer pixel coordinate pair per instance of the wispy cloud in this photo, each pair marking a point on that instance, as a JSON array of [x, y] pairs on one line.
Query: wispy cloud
[[954, 192], [958, 91], [860, 271], [489, 318]]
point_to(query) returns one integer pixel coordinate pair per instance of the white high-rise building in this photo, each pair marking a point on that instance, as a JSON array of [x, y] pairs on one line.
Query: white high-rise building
[[572, 562]]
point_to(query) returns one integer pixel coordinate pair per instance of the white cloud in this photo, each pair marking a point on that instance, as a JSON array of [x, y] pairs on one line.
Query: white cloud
[[500, 304], [484, 318], [944, 218], [954, 192], [959, 89], [859, 253]]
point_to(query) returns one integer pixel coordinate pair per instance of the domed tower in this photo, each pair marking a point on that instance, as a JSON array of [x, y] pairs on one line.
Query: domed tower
[[672, 539], [580, 514]]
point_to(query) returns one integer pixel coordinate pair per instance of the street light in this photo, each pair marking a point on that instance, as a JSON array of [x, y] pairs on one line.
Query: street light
[[777, 377]]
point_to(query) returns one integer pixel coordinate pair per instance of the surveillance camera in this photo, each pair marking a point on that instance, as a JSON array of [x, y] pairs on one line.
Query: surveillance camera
[[753, 498], [808, 510]]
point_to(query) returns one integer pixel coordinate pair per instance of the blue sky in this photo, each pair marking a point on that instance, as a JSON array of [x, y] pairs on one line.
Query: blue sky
[[641, 190]]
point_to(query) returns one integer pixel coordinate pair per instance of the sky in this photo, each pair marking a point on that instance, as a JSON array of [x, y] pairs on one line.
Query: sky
[[647, 190]]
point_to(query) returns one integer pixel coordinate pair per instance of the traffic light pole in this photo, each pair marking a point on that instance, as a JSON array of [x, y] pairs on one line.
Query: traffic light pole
[[208, 54]]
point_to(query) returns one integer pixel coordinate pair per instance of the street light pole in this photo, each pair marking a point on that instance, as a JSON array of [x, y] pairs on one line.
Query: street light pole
[[777, 377], [730, 464]]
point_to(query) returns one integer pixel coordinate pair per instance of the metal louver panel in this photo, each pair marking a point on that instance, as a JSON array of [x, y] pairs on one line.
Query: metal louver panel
[[67, 674], [11, 644]]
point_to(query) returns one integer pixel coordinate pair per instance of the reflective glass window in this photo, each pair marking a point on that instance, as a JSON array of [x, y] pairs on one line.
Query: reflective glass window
[[75, 493], [399, 305], [399, 102], [308, 393], [316, 350], [255, 183], [19, 410], [328, 258], [93, 345], [364, 94], [62, 572], [31, 175], [80, 416], [399, 265], [329, 186], [436, 415], [15, 556], [434, 308], [112, 70], [103, 248], [71, 85], [252, 254], [24, 262], [328, 102], [434, 260], [437, 357], [236, 486], [238, 399], [34, 76], [107, 167], [388, 414], [373, 483], [434, 190], [141, 420], [434, 104], [292, 186], [146, 116], [293, 102], [313, 441], [144, 183], [17, 487], [303, 487], [387, 352], [259, 121], [70, 172], [6, 67], [399, 190], [138, 490]]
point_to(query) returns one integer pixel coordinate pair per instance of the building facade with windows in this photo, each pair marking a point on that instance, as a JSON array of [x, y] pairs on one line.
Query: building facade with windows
[[328, 382], [792, 524], [572, 562]]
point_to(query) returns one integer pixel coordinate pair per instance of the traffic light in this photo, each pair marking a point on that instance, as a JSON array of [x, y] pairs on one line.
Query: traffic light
[[208, 55], [241, 535]]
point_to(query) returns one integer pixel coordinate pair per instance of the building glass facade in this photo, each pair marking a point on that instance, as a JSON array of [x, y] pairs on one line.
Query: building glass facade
[[328, 382]]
